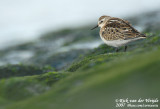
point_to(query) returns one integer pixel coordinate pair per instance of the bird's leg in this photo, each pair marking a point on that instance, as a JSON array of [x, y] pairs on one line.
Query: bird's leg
[[125, 48], [117, 49]]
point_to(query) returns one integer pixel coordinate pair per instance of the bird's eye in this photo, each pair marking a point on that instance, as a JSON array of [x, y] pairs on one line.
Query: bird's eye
[[101, 21]]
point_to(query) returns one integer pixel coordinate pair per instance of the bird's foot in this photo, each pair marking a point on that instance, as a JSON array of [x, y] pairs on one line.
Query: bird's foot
[[125, 48], [117, 49]]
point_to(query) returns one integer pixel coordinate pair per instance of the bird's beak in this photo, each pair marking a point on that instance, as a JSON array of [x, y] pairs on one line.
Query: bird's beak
[[94, 27]]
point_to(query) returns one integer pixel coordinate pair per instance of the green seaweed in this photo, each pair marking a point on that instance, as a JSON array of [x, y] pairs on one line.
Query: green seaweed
[[92, 81], [22, 70], [100, 85]]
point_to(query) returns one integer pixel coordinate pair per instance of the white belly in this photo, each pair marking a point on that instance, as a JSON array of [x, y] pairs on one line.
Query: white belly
[[118, 43]]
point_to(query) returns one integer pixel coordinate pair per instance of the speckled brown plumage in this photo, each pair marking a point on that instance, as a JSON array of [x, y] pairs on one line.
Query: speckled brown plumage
[[119, 29], [117, 32]]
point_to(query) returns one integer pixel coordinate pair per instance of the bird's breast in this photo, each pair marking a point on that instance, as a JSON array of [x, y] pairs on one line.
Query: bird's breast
[[114, 43]]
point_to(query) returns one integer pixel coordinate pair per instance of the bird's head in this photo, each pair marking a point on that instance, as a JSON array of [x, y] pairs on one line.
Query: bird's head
[[102, 21]]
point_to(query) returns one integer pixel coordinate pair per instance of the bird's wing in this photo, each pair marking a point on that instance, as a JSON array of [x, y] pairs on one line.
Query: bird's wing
[[120, 29]]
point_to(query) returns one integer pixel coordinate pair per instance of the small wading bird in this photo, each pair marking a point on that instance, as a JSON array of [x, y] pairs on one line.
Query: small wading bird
[[117, 32]]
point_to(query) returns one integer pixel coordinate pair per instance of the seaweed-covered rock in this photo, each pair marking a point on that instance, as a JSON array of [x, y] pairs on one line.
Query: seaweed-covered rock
[[20, 88], [22, 70], [61, 60], [52, 46], [91, 61], [101, 85], [95, 75], [105, 53]]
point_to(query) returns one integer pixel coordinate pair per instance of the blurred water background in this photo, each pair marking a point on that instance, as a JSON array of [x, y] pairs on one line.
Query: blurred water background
[[26, 20]]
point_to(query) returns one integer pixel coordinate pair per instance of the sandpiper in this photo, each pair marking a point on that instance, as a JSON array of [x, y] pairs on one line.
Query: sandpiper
[[117, 32]]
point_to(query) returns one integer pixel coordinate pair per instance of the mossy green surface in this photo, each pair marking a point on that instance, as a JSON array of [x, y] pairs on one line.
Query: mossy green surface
[[99, 86], [20, 88], [91, 61], [93, 81], [22, 70], [104, 53]]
